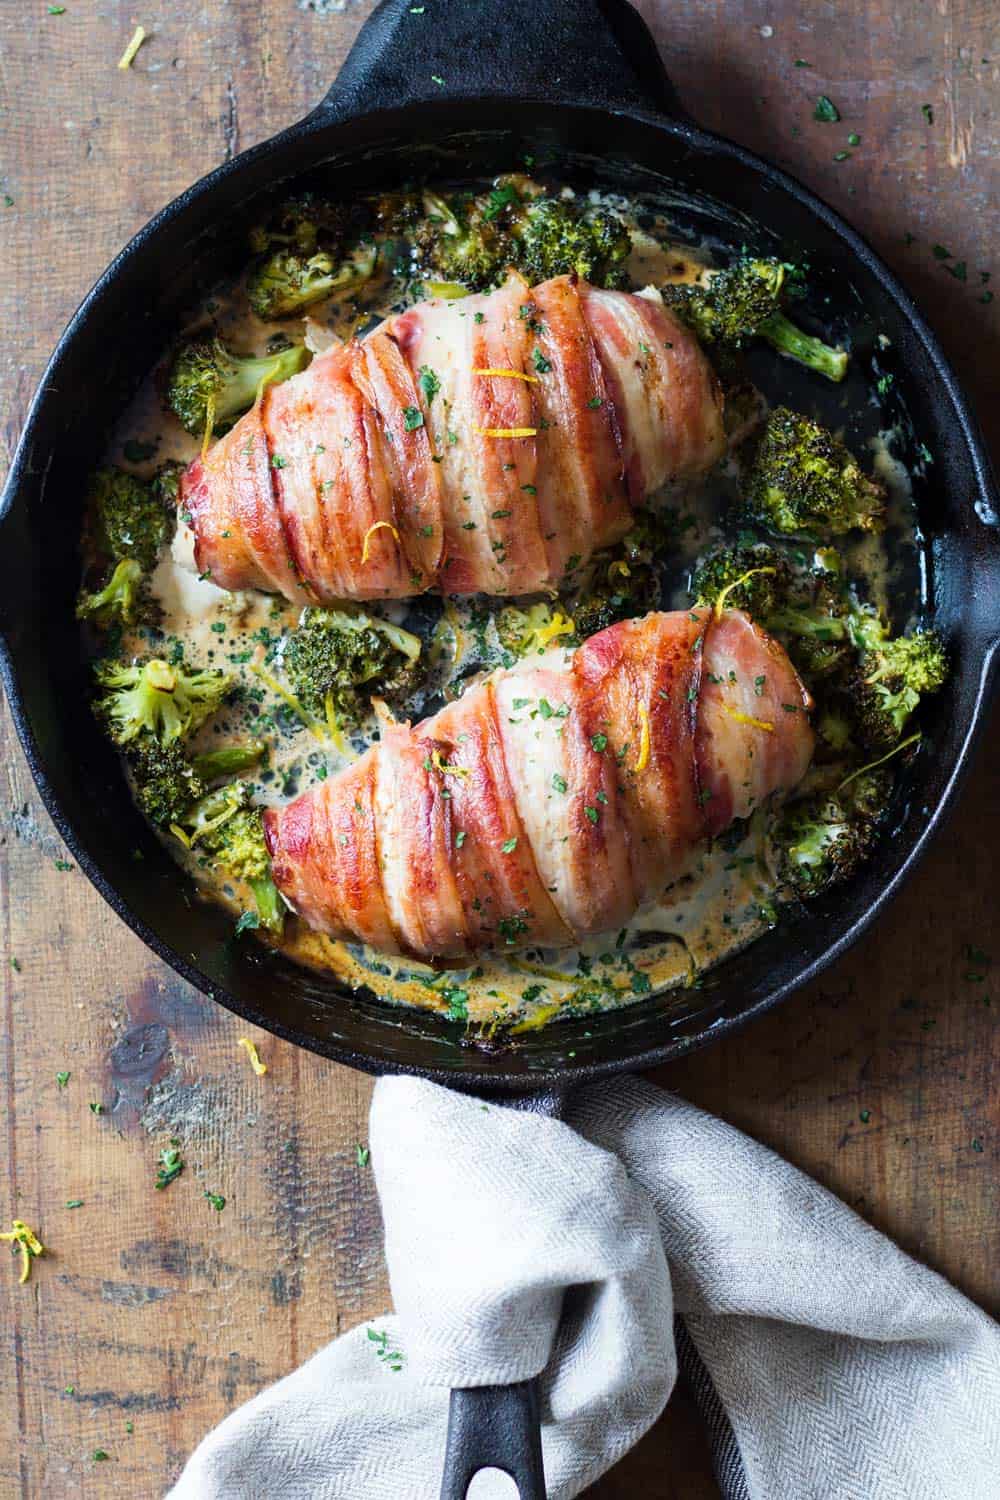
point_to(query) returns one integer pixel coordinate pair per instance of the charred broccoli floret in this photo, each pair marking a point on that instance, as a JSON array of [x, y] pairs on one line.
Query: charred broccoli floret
[[122, 599], [802, 479], [559, 238], [620, 584], [337, 661], [128, 516], [821, 840], [474, 239], [229, 832], [156, 697], [209, 386], [164, 780], [304, 225], [465, 239], [892, 678], [731, 306]]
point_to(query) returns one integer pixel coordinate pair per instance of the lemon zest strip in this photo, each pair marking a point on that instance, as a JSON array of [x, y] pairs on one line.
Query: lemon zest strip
[[29, 1243], [506, 432], [741, 718], [511, 374], [643, 760], [260, 1068], [128, 56], [750, 573], [445, 768], [378, 526]]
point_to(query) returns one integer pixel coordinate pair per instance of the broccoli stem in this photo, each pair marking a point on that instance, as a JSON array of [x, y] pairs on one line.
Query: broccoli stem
[[270, 907], [230, 760], [782, 334]]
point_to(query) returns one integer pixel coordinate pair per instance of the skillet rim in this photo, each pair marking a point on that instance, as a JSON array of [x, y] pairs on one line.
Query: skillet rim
[[980, 668]]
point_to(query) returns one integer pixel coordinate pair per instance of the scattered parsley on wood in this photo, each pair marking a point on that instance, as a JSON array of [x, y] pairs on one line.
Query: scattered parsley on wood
[[363, 1155], [927, 111], [96, 1108], [170, 1167], [62, 1079], [74, 1202], [826, 111], [217, 1201]]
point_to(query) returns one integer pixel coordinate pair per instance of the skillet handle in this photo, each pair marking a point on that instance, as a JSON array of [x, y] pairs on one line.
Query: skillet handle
[[500, 1426], [597, 53]]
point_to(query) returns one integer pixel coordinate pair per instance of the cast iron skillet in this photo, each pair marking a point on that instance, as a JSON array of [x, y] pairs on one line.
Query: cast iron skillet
[[470, 87]]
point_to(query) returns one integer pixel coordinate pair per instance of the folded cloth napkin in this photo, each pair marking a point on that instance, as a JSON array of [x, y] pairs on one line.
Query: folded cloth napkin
[[830, 1365]]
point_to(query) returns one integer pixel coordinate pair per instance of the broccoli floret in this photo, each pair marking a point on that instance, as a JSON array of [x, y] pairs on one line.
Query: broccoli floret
[[128, 516], [164, 781], [473, 240], [209, 386], [892, 678], [531, 629], [464, 240], [558, 238], [286, 283], [621, 584], [155, 697], [802, 479], [821, 840], [754, 579], [304, 225], [122, 598], [731, 306], [818, 623], [337, 661], [229, 832]]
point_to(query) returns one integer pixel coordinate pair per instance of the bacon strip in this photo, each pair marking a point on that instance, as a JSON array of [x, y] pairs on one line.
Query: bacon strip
[[552, 801], [470, 482]]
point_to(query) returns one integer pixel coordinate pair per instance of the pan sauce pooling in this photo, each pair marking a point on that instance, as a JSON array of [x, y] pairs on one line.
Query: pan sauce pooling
[[722, 901]]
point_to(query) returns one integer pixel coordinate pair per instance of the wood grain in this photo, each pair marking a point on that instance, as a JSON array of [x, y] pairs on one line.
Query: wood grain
[[151, 1308]]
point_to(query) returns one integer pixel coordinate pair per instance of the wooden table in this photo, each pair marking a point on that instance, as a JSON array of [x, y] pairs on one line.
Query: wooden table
[[153, 1314]]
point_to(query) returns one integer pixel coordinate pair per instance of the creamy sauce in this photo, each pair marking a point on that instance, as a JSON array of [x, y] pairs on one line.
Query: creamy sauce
[[724, 901]]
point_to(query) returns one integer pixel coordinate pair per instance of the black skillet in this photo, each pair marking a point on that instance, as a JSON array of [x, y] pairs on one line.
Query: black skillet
[[469, 88]]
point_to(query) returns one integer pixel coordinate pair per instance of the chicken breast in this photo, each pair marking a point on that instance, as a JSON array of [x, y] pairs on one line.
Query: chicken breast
[[488, 444], [553, 800]]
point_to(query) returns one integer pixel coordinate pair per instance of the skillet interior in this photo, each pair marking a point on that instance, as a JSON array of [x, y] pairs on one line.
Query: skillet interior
[[133, 313]]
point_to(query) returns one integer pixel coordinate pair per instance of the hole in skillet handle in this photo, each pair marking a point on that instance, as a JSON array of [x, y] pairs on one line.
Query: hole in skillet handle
[[499, 1426], [595, 53]]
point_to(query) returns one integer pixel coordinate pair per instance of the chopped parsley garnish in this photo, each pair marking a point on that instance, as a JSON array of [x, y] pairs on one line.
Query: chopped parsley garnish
[[826, 111], [508, 846], [541, 364], [413, 418], [429, 383], [217, 1201], [599, 742], [559, 782], [62, 1079]]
